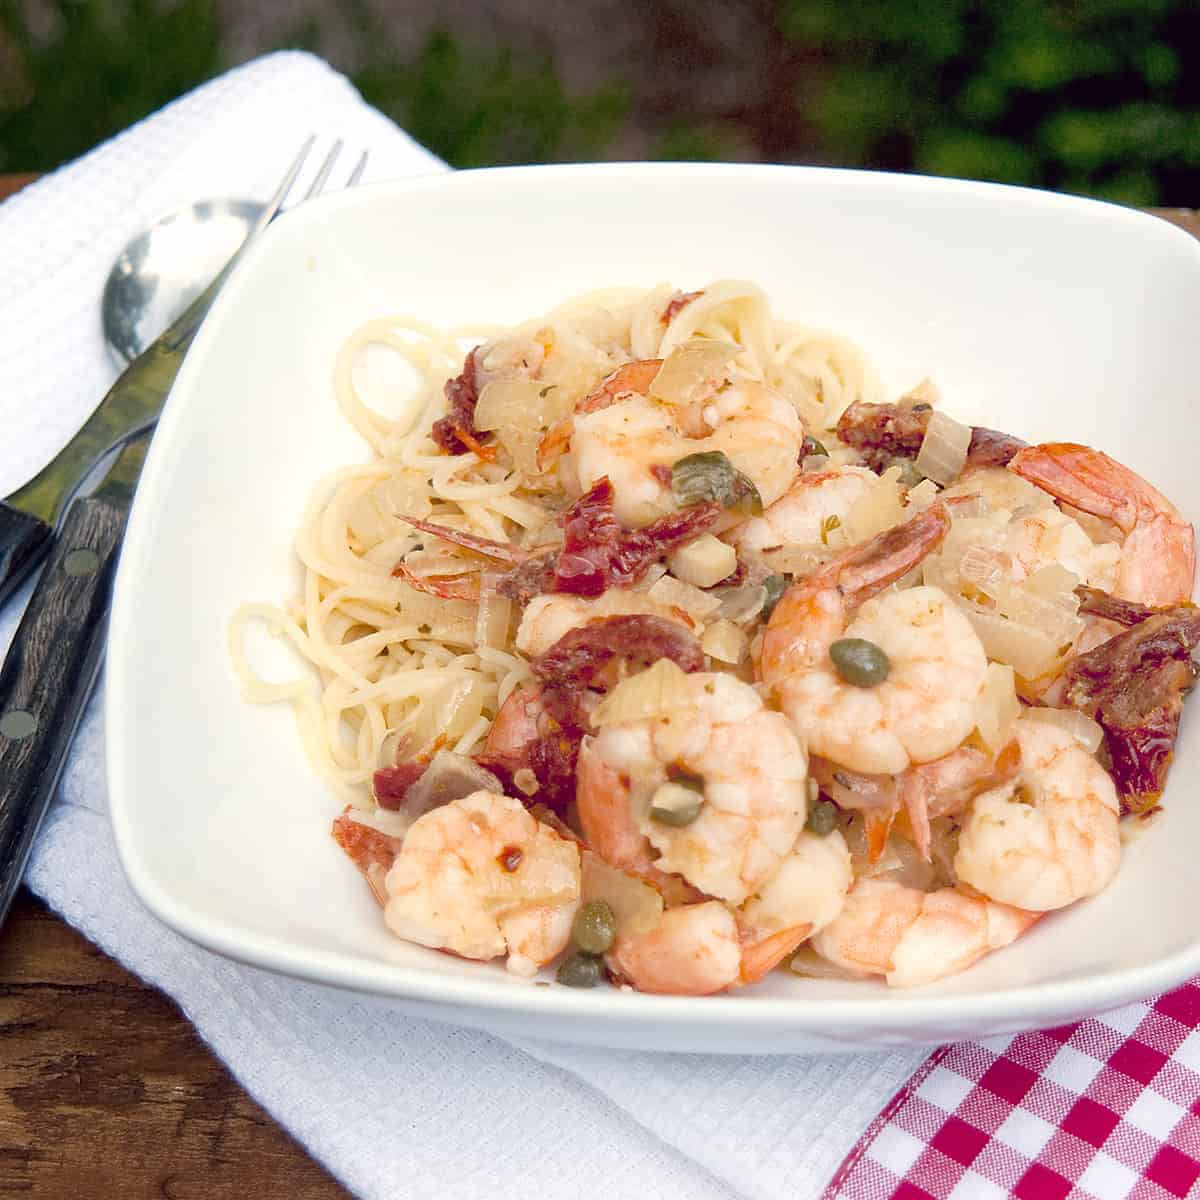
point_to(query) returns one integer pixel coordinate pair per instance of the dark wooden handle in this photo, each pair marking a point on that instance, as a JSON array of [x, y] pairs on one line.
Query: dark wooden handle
[[24, 540], [49, 673]]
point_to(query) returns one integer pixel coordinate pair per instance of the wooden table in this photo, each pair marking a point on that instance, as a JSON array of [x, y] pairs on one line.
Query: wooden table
[[107, 1092]]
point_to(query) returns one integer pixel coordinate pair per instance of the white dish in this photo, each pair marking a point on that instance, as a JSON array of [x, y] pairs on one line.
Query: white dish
[[1042, 315]]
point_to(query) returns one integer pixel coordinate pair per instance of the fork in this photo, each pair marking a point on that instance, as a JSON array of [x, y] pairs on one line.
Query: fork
[[52, 665], [27, 515]]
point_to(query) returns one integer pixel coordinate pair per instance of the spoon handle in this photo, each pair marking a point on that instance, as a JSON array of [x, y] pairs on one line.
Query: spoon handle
[[49, 674], [24, 541]]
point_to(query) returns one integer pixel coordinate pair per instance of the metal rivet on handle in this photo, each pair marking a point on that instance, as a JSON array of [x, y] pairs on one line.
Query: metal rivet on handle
[[18, 724], [81, 562]]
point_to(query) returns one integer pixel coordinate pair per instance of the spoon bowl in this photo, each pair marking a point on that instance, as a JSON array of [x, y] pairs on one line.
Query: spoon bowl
[[162, 270]]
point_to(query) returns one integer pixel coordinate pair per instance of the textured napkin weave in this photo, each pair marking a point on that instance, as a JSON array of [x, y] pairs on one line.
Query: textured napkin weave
[[393, 1106]]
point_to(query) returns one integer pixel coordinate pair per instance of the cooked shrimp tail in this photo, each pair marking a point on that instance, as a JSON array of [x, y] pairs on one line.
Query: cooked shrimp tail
[[1158, 559], [812, 612], [912, 937]]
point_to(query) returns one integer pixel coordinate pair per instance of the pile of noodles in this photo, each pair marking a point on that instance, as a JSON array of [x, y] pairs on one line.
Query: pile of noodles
[[397, 668]]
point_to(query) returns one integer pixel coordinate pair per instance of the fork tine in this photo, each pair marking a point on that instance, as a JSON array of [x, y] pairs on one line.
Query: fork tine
[[359, 168], [323, 174], [273, 205]]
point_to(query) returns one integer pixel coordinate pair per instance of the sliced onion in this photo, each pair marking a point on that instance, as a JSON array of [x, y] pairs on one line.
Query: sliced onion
[[494, 617], [704, 561], [376, 515], [657, 692], [1027, 649], [518, 411], [636, 906], [1056, 583], [450, 621], [448, 777], [724, 641], [390, 822], [1079, 725], [691, 371], [674, 593], [921, 496], [878, 509], [742, 604], [997, 709], [902, 863], [983, 569], [943, 452], [1055, 616]]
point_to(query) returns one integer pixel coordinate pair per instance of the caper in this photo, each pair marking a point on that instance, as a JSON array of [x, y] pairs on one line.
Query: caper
[[676, 804], [594, 927], [710, 477], [822, 818], [812, 446], [860, 662], [580, 971], [746, 497], [774, 586]]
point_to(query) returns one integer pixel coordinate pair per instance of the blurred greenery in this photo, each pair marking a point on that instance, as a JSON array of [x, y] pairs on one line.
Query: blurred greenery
[[476, 108], [1094, 96], [85, 77]]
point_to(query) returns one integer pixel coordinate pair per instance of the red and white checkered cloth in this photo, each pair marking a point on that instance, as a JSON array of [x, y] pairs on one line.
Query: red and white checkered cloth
[[1104, 1109]]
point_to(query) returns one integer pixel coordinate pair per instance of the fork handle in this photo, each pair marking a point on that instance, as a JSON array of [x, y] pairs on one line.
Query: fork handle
[[24, 541], [49, 673]]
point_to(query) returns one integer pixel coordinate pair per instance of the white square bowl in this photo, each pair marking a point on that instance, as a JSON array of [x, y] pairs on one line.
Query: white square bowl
[[1049, 317]]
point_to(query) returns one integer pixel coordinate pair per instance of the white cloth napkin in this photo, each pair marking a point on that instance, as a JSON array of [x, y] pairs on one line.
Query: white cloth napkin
[[393, 1106]]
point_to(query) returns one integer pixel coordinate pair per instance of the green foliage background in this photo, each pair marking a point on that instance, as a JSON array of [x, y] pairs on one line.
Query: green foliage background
[[1100, 97]]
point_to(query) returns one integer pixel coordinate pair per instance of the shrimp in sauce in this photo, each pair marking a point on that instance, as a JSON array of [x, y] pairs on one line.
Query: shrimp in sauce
[[925, 706], [482, 878]]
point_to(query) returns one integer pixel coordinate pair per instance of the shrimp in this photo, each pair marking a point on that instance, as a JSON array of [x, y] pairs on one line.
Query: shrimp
[[798, 517], [548, 617], [925, 706], [926, 792], [746, 759], [694, 950], [698, 949], [1049, 837], [1158, 556], [801, 898], [634, 378], [635, 442], [480, 877], [912, 937]]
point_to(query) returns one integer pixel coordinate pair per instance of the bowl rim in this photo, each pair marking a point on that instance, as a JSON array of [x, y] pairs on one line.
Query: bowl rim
[[881, 1011]]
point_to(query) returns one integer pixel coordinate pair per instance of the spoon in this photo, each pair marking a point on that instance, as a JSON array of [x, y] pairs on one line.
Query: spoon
[[162, 270]]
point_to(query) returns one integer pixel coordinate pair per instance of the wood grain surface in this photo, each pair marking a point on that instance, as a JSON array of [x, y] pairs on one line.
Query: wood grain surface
[[106, 1091]]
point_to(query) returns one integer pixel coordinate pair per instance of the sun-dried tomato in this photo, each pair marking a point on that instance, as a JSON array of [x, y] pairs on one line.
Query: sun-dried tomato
[[547, 724], [1103, 604], [1134, 685], [598, 552], [455, 432], [392, 783], [883, 432]]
